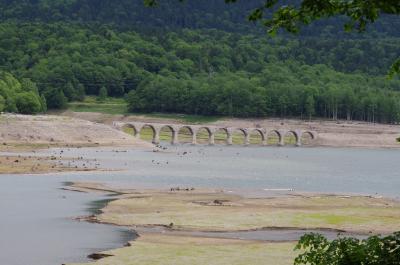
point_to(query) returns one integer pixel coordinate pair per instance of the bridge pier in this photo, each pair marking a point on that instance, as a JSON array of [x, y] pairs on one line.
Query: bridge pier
[[175, 139], [194, 138], [281, 137], [156, 137], [246, 138], [212, 138], [298, 138], [264, 141], [229, 139]]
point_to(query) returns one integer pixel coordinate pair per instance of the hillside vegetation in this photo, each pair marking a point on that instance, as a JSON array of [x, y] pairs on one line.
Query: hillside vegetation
[[198, 58]]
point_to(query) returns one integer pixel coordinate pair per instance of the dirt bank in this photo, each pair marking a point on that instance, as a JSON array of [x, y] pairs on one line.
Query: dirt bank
[[330, 133], [25, 132]]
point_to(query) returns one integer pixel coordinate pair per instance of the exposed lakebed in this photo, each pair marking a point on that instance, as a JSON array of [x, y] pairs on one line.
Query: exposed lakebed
[[37, 225]]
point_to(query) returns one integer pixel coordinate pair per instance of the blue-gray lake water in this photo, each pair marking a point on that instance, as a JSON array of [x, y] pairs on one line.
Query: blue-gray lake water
[[37, 226]]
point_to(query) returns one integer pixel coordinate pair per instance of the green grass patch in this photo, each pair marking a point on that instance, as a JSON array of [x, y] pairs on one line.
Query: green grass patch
[[91, 104], [117, 106], [194, 119]]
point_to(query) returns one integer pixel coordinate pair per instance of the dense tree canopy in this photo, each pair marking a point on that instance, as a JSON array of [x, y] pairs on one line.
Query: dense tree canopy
[[208, 64], [291, 15]]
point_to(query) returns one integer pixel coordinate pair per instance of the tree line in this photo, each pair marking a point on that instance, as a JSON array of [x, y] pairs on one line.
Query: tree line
[[280, 90]]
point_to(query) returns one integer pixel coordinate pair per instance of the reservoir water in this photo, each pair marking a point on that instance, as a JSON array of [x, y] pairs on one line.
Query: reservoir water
[[37, 225]]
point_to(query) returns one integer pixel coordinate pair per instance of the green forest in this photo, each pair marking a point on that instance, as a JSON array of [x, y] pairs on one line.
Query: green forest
[[201, 57]]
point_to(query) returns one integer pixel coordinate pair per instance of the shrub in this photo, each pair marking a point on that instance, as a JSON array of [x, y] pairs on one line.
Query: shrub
[[28, 103], [349, 251], [2, 103], [102, 94], [55, 99]]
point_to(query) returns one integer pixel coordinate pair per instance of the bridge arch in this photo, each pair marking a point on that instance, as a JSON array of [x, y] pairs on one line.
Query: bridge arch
[[274, 137], [186, 134], [306, 137], [222, 136], [240, 136], [204, 134], [149, 132], [130, 128], [291, 138], [255, 134], [164, 132]]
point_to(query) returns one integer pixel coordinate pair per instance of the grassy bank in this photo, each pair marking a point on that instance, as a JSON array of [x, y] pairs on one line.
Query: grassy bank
[[118, 106], [108, 106], [209, 210], [157, 249], [198, 210]]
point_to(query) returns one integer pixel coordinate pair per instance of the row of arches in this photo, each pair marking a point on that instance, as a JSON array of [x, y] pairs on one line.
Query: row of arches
[[157, 133]]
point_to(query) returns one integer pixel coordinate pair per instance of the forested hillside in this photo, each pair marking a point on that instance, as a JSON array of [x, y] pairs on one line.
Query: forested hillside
[[201, 57]]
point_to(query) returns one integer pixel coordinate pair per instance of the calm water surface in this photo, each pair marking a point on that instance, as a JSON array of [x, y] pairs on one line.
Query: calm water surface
[[36, 225]]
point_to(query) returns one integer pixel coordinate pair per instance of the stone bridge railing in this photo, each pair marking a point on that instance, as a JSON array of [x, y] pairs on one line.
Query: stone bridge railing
[[194, 129]]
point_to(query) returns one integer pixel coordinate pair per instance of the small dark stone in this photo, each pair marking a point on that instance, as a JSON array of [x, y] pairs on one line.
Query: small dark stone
[[218, 202], [97, 256]]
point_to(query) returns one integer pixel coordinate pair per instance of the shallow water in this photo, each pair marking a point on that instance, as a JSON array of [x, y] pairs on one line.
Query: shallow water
[[336, 170], [36, 225]]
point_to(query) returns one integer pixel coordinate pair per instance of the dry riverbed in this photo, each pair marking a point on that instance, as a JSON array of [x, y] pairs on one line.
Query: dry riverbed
[[30, 134], [195, 211]]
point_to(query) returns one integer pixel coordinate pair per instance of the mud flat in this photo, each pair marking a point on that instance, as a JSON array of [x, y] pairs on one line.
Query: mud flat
[[34, 165], [25, 133], [187, 218]]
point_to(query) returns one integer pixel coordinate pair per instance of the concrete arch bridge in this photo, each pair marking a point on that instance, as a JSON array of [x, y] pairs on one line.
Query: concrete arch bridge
[[211, 132]]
